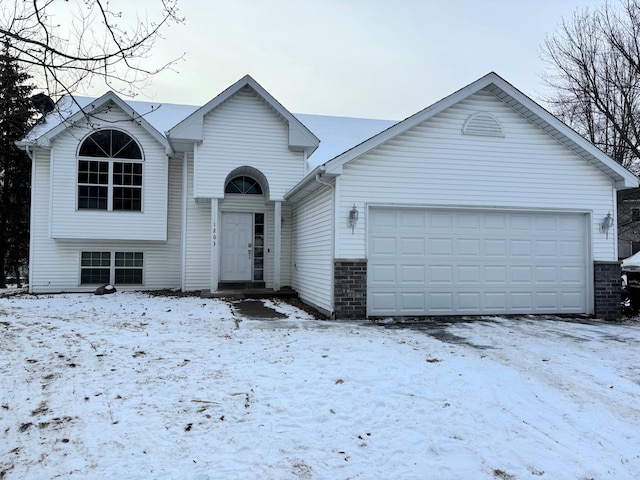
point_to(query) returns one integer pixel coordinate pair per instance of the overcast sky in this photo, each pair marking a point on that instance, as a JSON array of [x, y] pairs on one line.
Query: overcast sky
[[361, 58]]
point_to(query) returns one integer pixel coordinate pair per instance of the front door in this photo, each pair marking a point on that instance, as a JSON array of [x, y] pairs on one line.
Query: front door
[[236, 247]]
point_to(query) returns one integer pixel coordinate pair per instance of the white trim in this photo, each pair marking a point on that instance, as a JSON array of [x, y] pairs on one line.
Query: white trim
[[215, 242], [32, 209], [277, 245]]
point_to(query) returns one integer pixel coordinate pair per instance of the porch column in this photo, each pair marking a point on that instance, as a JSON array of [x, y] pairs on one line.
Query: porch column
[[277, 245], [214, 245]]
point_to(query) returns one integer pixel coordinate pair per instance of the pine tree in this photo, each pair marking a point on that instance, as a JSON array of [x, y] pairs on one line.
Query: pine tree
[[16, 117]]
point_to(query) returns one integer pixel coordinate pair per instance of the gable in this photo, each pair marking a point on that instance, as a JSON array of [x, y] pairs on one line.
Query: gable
[[190, 130], [518, 102], [245, 132]]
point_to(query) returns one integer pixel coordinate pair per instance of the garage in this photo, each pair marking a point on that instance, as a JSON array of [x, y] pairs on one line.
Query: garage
[[475, 262]]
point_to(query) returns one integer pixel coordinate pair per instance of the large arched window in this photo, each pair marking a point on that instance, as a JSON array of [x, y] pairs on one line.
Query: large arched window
[[243, 185], [110, 172]]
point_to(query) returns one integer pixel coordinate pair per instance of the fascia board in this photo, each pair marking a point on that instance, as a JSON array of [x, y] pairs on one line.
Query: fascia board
[[44, 141], [335, 164], [603, 162], [307, 185]]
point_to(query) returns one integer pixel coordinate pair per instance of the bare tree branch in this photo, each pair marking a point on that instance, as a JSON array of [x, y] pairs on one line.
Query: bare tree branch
[[594, 72], [68, 44]]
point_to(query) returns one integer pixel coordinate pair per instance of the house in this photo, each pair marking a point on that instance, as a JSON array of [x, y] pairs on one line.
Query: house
[[483, 203]]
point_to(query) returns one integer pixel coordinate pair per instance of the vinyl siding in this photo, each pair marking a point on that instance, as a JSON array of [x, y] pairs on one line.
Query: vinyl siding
[[198, 242], [67, 222], [245, 132], [312, 244], [433, 164], [56, 263]]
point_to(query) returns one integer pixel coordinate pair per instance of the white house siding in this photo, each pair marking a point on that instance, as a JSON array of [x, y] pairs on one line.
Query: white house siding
[[198, 240], [433, 164], [56, 263], [312, 245], [256, 204], [244, 131], [67, 222]]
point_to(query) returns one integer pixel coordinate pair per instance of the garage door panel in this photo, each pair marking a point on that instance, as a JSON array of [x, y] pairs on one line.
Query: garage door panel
[[381, 275], [411, 246], [412, 274], [495, 248], [469, 302], [521, 274], [468, 247], [495, 274], [440, 247], [441, 302], [440, 275], [447, 262], [469, 274]]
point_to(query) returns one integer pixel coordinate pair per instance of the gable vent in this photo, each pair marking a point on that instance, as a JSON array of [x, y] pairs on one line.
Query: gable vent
[[483, 124]]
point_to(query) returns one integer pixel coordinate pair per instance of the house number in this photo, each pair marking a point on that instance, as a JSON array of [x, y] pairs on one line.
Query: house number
[[213, 235]]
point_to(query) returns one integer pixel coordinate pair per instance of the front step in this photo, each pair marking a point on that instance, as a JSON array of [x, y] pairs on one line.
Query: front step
[[256, 293], [239, 285]]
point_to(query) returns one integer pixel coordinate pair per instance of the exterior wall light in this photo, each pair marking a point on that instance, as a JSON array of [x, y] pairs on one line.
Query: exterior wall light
[[606, 224], [353, 218]]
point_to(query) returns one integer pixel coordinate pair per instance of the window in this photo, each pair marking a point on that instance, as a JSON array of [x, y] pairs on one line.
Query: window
[[117, 268], [244, 185], [95, 268], [108, 183], [128, 268], [635, 214]]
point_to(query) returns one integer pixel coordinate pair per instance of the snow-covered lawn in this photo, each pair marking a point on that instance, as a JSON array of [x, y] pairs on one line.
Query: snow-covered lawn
[[130, 386]]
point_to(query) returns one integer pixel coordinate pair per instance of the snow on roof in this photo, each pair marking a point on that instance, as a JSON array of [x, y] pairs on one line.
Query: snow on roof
[[339, 134], [336, 134]]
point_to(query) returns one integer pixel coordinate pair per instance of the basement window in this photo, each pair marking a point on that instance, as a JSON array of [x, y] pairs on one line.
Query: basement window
[[117, 268]]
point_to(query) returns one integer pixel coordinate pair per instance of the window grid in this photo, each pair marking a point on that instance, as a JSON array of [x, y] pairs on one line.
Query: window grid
[[109, 184], [117, 268]]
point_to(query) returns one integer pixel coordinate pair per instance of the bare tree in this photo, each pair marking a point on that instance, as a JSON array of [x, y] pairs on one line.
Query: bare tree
[[594, 75], [64, 44]]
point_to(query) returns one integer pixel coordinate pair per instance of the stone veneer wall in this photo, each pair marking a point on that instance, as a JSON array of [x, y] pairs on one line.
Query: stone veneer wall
[[350, 289], [607, 286]]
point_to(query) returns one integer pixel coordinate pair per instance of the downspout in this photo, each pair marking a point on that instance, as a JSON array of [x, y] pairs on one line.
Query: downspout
[[31, 213], [185, 196], [333, 233]]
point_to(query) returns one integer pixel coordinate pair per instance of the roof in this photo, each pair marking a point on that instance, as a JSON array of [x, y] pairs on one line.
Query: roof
[[511, 96], [189, 130], [70, 110], [335, 134], [339, 134]]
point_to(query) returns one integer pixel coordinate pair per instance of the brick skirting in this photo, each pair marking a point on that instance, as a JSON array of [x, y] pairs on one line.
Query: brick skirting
[[607, 289], [350, 289]]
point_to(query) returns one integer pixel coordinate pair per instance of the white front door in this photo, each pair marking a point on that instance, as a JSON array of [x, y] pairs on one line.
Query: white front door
[[236, 247]]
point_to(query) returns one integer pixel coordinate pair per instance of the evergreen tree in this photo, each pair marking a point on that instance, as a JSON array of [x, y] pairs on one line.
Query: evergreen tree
[[16, 117]]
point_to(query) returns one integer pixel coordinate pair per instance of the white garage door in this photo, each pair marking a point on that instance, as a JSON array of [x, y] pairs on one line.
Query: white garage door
[[450, 262]]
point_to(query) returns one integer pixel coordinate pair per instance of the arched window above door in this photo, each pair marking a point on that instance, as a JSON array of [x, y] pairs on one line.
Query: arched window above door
[[244, 185]]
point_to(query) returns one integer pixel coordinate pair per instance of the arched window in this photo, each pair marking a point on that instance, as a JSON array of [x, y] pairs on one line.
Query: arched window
[[110, 172], [243, 185]]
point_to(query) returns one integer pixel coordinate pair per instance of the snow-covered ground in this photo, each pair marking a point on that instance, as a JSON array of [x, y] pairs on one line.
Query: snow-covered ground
[[131, 386]]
